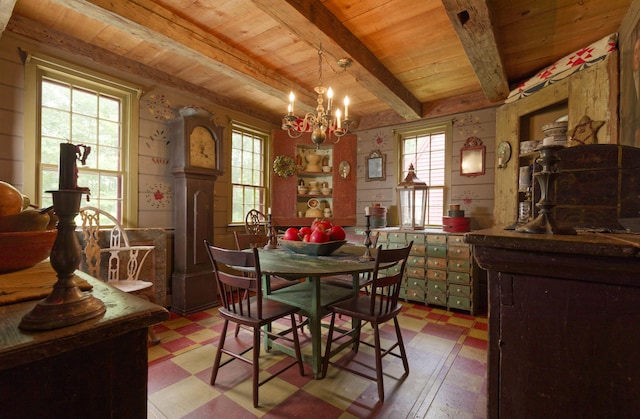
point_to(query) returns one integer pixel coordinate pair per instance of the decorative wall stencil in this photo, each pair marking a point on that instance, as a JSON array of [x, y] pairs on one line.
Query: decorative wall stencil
[[158, 146], [468, 126], [379, 141], [159, 195], [159, 107]]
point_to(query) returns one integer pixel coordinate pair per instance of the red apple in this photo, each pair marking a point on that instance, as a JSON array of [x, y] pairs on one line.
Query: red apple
[[306, 238], [324, 224], [337, 233], [291, 234], [305, 230], [319, 236]]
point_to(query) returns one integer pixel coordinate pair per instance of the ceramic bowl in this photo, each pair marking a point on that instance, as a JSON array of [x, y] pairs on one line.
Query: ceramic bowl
[[326, 191], [313, 249], [303, 190], [327, 169], [23, 249]]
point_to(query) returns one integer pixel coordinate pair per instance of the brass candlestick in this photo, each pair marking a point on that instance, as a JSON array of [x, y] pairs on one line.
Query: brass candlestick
[[367, 240], [67, 304], [272, 242]]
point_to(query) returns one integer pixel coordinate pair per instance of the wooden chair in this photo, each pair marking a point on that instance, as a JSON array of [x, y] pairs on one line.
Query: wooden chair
[[376, 308], [254, 312], [346, 281], [249, 241], [124, 262], [255, 222]]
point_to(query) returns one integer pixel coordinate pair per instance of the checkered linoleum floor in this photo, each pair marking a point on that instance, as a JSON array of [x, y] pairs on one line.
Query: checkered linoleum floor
[[447, 379]]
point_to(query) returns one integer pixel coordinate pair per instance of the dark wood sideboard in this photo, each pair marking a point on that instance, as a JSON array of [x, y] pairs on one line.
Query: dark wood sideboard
[[94, 369], [564, 316]]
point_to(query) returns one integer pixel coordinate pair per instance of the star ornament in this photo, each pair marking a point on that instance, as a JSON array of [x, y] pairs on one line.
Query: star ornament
[[586, 132]]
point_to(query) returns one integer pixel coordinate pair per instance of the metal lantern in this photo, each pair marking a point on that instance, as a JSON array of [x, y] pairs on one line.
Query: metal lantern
[[412, 201]]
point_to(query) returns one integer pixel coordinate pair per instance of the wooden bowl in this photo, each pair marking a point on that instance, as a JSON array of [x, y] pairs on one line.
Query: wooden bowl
[[312, 249], [23, 249]]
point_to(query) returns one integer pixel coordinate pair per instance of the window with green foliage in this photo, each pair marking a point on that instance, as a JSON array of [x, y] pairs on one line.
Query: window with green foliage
[[248, 154], [78, 107], [426, 149]]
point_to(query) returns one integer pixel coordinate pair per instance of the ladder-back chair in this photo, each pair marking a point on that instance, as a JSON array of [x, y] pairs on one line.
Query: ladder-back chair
[[376, 308]]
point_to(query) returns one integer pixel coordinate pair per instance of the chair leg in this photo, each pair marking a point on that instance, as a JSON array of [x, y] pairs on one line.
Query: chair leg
[[327, 352], [403, 353], [378, 350], [216, 363], [256, 367], [296, 343]]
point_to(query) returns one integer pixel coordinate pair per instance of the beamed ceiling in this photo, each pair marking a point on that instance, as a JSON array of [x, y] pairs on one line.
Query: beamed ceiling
[[412, 59]]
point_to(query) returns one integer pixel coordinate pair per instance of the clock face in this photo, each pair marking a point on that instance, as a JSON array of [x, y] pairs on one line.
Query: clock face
[[202, 148]]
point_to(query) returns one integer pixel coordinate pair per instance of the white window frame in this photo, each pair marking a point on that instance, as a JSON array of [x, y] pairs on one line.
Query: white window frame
[[39, 66], [260, 205], [434, 213]]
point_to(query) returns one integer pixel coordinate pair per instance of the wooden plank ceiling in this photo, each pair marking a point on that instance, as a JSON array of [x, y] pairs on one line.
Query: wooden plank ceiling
[[411, 59]]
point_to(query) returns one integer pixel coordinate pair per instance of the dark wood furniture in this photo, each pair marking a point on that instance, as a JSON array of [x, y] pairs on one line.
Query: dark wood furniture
[[376, 308], [255, 312], [563, 321], [192, 288], [97, 368]]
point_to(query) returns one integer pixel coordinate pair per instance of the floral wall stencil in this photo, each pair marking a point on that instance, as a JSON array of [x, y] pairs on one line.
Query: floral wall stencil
[[379, 141], [159, 195], [157, 146], [468, 125], [159, 107]]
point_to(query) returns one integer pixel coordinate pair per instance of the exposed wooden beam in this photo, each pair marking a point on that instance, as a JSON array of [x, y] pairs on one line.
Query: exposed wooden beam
[[437, 109], [471, 20], [314, 23], [31, 30], [167, 30], [6, 9]]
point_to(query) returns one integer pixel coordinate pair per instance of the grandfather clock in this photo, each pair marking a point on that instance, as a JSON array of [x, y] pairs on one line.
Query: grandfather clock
[[197, 149]]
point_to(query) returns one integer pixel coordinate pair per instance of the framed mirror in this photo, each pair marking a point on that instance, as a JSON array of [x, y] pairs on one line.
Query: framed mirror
[[472, 156], [375, 166]]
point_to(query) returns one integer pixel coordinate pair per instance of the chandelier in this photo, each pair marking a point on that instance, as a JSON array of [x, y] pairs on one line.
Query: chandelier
[[325, 122]]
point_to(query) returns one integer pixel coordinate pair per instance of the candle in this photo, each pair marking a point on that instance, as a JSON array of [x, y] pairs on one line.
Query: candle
[[329, 99], [67, 176], [269, 211], [289, 109], [366, 211], [346, 107], [338, 118], [291, 100]]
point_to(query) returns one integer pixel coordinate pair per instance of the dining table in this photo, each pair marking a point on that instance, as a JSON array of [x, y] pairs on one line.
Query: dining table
[[312, 295]]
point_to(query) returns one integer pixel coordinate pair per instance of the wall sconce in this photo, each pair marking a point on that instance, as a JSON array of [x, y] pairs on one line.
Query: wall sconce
[[412, 201]]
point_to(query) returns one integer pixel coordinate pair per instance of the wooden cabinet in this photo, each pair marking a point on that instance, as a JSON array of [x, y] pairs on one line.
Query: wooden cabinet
[[440, 270], [93, 369], [591, 92], [287, 204], [562, 323]]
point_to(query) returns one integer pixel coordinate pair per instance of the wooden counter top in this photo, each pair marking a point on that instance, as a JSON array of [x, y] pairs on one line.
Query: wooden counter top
[[124, 313]]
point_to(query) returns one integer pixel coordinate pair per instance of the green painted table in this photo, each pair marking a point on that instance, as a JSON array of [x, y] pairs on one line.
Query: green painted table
[[313, 295]]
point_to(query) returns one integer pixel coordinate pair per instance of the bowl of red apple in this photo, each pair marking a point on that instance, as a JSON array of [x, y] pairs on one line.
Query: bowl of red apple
[[320, 239]]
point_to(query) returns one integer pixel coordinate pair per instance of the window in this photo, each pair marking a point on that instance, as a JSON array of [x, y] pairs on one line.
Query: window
[[426, 150], [248, 153], [71, 105]]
